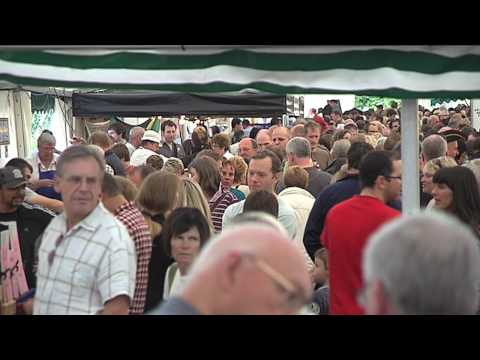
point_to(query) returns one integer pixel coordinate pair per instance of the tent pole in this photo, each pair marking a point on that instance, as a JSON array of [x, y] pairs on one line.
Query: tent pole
[[410, 157]]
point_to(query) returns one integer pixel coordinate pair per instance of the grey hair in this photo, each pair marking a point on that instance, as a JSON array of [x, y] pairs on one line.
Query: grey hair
[[340, 148], [46, 138], [434, 146], [300, 147], [429, 263], [79, 152], [134, 131]]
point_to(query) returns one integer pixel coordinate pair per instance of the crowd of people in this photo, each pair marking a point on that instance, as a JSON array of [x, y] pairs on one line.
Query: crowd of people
[[304, 219]]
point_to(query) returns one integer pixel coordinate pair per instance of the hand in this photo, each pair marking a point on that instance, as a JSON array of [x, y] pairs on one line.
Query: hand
[[45, 183]]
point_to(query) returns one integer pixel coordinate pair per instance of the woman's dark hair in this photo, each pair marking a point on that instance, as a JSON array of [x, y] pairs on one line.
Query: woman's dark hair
[[180, 221], [262, 200], [254, 132], [466, 197], [215, 130], [208, 173]]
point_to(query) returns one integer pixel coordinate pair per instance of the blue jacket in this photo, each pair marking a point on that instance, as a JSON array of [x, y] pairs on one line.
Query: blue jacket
[[327, 199]]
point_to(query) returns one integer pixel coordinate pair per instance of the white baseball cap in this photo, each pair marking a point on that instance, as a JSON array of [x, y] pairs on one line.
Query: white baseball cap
[[152, 135]]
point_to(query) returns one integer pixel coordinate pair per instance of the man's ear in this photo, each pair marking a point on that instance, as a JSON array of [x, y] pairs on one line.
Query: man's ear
[[228, 277]]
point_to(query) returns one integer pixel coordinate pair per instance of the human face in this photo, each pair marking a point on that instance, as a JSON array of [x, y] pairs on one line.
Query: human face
[[393, 188], [27, 174], [263, 141], [218, 150], [186, 247], [396, 126], [452, 149], [228, 174], [114, 136], [320, 273], [45, 152], [246, 150], [427, 181], [152, 146], [170, 134], [280, 137], [443, 196], [12, 198], [81, 187], [373, 129], [260, 176], [313, 135]]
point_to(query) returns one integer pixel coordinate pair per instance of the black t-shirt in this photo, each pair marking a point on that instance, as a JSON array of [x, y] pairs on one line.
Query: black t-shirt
[[31, 223]]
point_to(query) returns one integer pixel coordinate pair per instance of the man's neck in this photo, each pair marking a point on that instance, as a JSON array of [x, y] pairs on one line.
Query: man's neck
[[73, 221], [46, 162], [114, 203], [304, 162], [373, 193]]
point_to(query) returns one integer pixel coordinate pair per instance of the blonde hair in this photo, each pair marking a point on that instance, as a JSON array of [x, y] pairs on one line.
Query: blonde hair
[[175, 166], [193, 196], [160, 193], [295, 176], [432, 166], [127, 187], [240, 167]]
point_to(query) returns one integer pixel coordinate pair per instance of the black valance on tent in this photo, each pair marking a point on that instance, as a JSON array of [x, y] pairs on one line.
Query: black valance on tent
[[142, 104]]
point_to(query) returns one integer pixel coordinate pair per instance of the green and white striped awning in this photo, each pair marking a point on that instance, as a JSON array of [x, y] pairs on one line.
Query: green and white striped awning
[[393, 71]]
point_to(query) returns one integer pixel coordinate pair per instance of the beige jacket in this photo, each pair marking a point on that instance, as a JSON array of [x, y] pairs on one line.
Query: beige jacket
[[301, 201]]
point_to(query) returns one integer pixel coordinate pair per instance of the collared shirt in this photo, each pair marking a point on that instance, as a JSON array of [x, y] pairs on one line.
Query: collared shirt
[[138, 229], [222, 199], [175, 306], [36, 164], [94, 263], [286, 216]]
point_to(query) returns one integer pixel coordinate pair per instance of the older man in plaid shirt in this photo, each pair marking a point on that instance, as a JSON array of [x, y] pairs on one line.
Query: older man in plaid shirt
[[133, 219], [86, 261]]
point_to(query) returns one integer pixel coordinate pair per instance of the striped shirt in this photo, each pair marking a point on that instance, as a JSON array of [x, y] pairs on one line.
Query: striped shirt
[[138, 229], [81, 269], [218, 204]]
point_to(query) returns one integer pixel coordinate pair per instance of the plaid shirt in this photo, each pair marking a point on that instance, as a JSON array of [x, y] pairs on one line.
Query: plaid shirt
[[81, 269], [133, 219]]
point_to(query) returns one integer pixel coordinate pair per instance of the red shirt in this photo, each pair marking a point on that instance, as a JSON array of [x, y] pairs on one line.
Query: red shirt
[[321, 121], [347, 228]]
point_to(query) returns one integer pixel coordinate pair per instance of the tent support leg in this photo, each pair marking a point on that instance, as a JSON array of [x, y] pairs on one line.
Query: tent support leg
[[410, 157]]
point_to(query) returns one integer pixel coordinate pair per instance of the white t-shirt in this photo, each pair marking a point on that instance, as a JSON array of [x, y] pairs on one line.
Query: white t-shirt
[[178, 283]]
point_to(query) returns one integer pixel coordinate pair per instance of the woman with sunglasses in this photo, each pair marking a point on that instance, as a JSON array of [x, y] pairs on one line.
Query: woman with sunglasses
[[455, 191]]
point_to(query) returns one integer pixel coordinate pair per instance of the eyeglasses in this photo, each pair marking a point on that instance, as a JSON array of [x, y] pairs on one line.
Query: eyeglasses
[[295, 299]]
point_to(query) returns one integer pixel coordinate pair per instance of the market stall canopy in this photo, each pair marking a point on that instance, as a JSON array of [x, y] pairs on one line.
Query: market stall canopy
[[393, 71], [150, 104]]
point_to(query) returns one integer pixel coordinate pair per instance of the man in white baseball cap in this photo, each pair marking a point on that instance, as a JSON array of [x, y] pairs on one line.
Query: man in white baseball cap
[[149, 146]]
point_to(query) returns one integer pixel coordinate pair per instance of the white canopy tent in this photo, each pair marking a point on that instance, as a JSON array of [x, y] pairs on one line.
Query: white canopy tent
[[407, 72]]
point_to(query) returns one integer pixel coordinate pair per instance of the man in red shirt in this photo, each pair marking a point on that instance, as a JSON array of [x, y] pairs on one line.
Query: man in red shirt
[[349, 224]]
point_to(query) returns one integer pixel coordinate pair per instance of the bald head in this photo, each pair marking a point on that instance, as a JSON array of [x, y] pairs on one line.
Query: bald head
[[251, 276], [298, 131], [263, 139]]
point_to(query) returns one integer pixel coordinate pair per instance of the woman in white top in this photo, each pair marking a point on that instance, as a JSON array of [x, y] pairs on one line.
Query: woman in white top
[[185, 232]]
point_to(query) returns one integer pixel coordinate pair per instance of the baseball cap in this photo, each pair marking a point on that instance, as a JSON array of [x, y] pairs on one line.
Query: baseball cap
[[11, 177], [151, 135]]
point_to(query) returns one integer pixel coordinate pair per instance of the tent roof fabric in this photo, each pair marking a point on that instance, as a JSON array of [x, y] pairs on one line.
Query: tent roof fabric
[[396, 71]]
